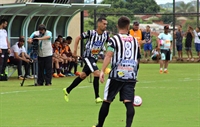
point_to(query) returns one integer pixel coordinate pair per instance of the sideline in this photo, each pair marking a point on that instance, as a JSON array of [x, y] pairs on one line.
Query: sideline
[[138, 86]]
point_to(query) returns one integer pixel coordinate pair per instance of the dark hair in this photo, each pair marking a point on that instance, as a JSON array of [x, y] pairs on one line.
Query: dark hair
[[56, 40], [100, 19], [41, 27], [136, 23], [68, 38], [180, 26], [21, 40], [3, 21], [123, 22], [60, 36], [148, 26]]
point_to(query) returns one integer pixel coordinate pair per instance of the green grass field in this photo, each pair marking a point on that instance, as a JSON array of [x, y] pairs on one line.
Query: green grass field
[[169, 100]]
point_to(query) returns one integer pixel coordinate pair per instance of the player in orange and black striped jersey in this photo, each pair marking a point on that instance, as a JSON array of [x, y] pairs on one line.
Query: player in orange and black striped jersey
[[72, 60], [57, 59]]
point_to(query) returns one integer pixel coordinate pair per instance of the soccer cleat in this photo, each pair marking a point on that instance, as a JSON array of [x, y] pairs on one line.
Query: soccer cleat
[[66, 95], [61, 75], [98, 100], [161, 71], [55, 75], [166, 71]]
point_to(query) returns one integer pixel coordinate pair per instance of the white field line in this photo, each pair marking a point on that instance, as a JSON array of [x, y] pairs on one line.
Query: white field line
[[138, 86]]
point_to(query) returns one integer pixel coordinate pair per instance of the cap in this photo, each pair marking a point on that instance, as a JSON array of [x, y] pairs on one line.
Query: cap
[[166, 27], [136, 23]]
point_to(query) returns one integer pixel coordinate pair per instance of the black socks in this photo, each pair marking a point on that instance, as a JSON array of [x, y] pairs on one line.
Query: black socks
[[130, 112], [74, 84], [96, 86], [103, 113]]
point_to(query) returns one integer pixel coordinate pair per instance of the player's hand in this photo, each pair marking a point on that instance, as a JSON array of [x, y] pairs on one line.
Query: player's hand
[[101, 77], [0, 51]]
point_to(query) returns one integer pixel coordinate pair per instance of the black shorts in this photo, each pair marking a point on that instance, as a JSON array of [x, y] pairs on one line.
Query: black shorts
[[126, 90], [90, 65], [165, 54]]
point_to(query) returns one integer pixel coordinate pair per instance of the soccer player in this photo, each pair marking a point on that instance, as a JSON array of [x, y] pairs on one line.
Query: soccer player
[[94, 45], [164, 46], [122, 52]]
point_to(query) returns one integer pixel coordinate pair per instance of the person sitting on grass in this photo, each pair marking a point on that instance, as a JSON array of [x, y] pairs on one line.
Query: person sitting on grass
[[155, 54]]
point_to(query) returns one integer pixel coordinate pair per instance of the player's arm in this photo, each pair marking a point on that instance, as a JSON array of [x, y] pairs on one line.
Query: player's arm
[[82, 36]]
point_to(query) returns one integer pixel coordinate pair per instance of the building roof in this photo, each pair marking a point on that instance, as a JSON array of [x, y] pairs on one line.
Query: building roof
[[52, 9]]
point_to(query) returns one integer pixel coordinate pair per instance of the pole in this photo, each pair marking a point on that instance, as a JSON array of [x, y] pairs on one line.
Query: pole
[[95, 13], [174, 23], [82, 30], [197, 12]]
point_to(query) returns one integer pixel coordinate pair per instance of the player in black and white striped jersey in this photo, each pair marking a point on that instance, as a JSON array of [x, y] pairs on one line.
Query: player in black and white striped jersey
[[94, 45], [122, 52]]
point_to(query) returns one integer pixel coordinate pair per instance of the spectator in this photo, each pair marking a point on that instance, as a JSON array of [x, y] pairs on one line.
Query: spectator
[[18, 57], [43, 39], [147, 42], [4, 48], [155, 54], [164, 46], [178, 35], [95, 43], [137, 33], [197, 41], [188, 43]]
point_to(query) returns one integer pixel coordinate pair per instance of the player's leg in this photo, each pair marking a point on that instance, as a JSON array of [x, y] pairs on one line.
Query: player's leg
[[111, 89], [85, 72], [127, 96], [91, 62]]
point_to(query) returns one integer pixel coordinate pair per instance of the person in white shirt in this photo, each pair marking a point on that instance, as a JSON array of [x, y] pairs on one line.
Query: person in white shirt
[[4, 48], [197, 41], [18, 57]]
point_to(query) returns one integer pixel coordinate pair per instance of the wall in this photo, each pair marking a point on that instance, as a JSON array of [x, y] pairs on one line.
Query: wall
[[74, 30]]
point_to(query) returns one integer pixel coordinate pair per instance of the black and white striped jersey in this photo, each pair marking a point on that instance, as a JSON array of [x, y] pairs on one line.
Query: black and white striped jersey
[[124, 61], [95, 43]]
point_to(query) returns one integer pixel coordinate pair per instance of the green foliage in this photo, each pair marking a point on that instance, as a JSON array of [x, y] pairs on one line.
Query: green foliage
[[88, 24], [185, 7], [167, 18]]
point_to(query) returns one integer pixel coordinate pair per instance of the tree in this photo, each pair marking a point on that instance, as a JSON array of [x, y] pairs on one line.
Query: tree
[[168, 19], [185, 8]]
